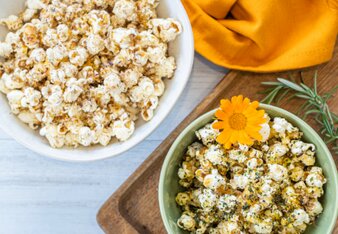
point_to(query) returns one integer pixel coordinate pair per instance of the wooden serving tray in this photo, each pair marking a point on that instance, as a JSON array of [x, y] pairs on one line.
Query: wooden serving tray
[[134, 208]]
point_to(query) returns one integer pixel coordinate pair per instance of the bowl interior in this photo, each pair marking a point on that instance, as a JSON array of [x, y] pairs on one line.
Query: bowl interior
[[169, 187], [182, 49]]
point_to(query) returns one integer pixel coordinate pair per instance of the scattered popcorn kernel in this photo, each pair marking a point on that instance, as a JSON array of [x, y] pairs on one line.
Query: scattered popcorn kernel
[[5, 49]]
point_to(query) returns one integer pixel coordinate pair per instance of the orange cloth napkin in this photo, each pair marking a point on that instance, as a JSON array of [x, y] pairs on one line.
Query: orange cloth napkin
[[264, 35]]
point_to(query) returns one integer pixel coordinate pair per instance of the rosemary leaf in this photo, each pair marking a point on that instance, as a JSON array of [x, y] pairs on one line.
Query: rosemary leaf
[[291, 85], [302, 96], [273, 83], [315, 82], [314, 105]]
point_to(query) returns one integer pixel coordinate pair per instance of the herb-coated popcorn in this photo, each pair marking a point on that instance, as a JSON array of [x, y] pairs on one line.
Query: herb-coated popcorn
[[84, 71], [269, 187]]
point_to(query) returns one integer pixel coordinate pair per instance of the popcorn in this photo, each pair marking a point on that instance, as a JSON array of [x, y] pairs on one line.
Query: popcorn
[[239, 181], [207, 134], [228, 227], [146, 39], [86, 136], [50, 38], [147, 10], [124, 58], [74, 111], [28, 14], [281, 126], [51, 133], [37, 73], [104, 137], [263, 227], [12, 38], [300, 217], [56, 54], [72, 93], [3, 87], [5, 49], [28, 118], [265, 132], [147, 114], [30, 35], [151, 103], [125, 9], [315, 178], [166, 67], [63, 32], [314, 208], [277, 172], [261, 188], [38, 55], [208, 199], [140, 58], [214, 154], [156, 54], [83, 71], [123, 37], [123, 130], [227, 203], [102, 3], [57, 76], [146, 86], [14, 99], [35, 4], [32, 97], [130, 77], [99, 20], [186, 222], [252, 163], [69, 69], [78, 56], [113, 81], [165, 29], [15, 80], [213, 180], [159, 87], [89, 106], [12, 22], [299, 147], [95, 44]]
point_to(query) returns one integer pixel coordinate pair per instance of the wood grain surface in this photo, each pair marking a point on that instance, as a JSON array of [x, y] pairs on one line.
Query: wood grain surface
[[133, 208]]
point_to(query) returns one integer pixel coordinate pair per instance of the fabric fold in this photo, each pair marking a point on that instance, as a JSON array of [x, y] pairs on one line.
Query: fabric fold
[[265, 35]]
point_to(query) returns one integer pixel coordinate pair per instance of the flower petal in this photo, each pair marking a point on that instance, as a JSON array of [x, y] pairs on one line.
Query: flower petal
[[244, 138], [254, 104], [226, 106], [223, 138], [221, 115], [218, 125], [254, 134]]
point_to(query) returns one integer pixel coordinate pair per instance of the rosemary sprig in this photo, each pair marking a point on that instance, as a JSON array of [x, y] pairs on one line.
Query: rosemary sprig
[[315, 104]]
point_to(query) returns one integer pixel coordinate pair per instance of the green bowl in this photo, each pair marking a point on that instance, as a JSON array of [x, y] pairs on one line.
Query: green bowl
[[169, 187]]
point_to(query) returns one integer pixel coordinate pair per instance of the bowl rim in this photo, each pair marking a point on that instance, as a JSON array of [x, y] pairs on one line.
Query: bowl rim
[[109, 154], [211, 113]]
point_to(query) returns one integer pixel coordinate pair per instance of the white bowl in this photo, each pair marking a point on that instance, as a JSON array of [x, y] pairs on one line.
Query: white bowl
[[182, 49]]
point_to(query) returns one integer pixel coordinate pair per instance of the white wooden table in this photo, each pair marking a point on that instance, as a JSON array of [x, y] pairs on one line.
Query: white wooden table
[[41, 195]]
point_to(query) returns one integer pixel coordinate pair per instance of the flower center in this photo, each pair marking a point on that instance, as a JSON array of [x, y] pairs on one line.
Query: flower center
[[237, 121]]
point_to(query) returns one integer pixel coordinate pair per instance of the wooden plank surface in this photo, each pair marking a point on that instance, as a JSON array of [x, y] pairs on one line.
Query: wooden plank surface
[[133, 208]]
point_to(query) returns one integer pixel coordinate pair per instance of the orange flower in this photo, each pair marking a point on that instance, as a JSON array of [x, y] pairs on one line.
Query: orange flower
[[239, 121]]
